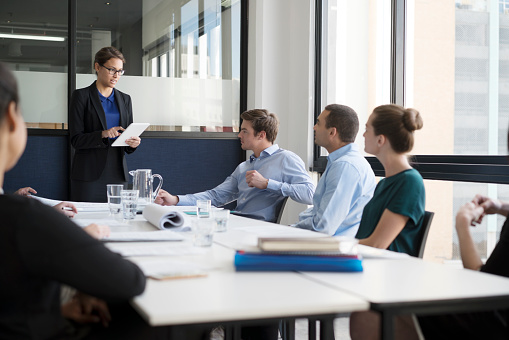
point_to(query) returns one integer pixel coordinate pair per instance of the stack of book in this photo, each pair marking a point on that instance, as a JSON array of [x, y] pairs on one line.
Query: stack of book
[[300, 254]]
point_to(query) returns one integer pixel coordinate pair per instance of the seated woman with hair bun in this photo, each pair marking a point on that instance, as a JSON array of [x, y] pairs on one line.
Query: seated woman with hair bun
[[393, 218]]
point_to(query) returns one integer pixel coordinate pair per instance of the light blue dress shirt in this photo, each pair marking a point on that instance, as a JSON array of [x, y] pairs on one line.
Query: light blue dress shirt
[[287, 177], [345, 187]]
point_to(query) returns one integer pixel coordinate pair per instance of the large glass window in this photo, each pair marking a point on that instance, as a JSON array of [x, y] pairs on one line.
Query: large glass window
[[456, 69], [356, 56], [33, 42], [183, 59], [445, 198], [456, 74]]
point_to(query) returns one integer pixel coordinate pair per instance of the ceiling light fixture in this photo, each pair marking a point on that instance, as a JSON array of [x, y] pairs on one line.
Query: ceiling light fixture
[[30, 37]]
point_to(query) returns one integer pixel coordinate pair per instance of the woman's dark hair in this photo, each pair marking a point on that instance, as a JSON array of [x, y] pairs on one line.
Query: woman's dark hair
[[8, 89], [106, 53], [398, 125]]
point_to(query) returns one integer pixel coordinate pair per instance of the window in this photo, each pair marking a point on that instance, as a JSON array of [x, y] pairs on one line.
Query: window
[[183, 58], [33, 42], [455, 72], [356, 56]]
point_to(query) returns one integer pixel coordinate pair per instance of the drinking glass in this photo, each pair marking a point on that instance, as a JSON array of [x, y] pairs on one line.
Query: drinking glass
[[115, 199], [203, 231], [221, 218], [203, 208], [129, 203]]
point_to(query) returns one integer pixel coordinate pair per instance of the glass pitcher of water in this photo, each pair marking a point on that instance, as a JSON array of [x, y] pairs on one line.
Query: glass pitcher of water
[[143, 181]]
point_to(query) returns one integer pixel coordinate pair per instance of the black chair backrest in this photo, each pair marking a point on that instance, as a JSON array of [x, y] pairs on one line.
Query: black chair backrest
[[279, 210], [426, 224]]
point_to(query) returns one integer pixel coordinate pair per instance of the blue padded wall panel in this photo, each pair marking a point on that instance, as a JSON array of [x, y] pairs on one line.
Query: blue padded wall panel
[[43, 166], [187, 165]]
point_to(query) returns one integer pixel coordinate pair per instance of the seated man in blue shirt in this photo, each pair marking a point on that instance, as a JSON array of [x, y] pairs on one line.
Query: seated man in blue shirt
[[261, 182], [348, 182]]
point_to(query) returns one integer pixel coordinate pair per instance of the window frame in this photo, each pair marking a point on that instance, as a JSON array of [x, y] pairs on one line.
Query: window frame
[[455, 168]]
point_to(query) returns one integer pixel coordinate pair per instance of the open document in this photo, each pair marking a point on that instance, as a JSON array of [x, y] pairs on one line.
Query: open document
[[80, 206], [155, 236], [163, 269], [165, 217]]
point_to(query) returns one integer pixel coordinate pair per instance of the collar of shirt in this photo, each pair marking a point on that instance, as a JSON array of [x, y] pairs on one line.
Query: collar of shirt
[[265, 153], [341, 152], [110, 98], [1, 191]]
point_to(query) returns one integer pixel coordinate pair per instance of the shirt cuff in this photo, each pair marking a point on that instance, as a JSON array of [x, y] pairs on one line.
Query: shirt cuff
[[183, 200], [274, 185]]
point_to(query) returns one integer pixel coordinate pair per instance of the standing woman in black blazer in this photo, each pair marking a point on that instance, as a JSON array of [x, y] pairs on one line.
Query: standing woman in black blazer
[[98, 114]]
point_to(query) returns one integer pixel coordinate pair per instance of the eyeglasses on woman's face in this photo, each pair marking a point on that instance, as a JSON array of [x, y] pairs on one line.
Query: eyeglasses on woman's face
[[112, 71]]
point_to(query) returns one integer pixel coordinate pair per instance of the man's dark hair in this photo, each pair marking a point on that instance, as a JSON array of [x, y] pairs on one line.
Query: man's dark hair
[[344, 119], [262, 120]]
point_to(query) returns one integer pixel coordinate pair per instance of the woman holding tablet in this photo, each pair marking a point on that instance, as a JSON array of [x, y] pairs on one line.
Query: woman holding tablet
[[98, 115]]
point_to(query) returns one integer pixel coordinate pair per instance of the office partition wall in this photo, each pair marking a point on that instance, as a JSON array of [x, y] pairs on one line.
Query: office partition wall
[[183, 70]]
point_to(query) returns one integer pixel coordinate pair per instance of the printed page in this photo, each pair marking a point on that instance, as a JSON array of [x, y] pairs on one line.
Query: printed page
[[157, 235], [172, 269]]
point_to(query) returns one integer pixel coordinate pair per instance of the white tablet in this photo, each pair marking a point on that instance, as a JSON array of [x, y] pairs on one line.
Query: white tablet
[[135, 129]]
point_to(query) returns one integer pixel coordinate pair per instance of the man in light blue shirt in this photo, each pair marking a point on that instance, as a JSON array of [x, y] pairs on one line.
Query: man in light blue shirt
[[263, 181], [348, 182]]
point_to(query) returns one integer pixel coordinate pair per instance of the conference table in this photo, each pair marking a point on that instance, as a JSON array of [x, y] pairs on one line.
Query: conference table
[[224, 296], [391, 283], [414, 286]]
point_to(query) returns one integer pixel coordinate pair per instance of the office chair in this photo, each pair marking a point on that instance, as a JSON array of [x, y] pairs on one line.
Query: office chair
[[279, 208], [426, 224]]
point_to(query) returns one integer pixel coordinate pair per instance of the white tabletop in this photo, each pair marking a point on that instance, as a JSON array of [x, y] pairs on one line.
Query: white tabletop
[[225, 295], [413, 280]]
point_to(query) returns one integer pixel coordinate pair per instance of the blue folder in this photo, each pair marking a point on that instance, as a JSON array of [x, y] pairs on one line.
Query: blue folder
[[309, 263]]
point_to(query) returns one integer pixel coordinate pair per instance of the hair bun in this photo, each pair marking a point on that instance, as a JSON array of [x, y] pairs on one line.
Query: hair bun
[[412, 120]]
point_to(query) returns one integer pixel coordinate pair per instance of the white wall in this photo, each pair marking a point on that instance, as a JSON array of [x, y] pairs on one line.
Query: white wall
[[280, 78]]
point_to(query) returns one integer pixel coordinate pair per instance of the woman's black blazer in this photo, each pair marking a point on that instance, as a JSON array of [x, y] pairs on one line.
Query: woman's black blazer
[[87, 120]]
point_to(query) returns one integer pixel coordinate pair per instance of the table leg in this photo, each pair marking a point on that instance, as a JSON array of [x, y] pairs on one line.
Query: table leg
[[312, 329], [232, 332], [287, 329], [327, 329], [387, 325]]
